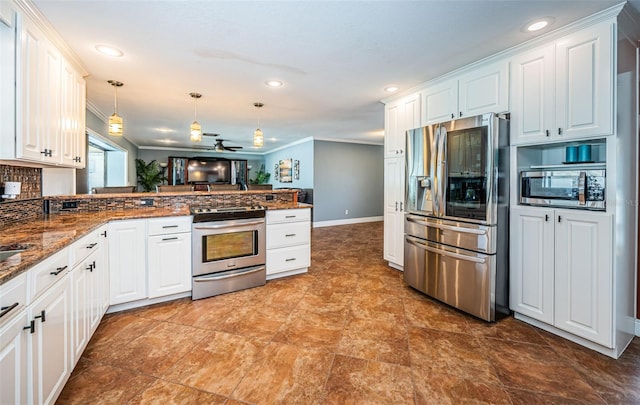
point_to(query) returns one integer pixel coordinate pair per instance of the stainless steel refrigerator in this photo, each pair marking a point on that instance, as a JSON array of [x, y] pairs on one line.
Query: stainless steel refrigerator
[[456, 223]]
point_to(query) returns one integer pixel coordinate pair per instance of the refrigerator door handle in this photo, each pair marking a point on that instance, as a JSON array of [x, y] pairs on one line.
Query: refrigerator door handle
[[439, 163], [416, 242]]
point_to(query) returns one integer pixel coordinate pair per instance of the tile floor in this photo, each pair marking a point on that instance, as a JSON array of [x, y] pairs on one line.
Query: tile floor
[[348, 332]]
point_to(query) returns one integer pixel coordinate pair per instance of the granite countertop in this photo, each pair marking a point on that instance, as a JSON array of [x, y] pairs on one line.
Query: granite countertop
[[50, 233]]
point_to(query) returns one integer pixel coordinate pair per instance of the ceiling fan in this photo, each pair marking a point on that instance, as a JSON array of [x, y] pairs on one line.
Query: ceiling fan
[[219, 146]]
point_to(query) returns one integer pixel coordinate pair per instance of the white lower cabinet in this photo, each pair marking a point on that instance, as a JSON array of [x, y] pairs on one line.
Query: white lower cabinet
[[127, 261], [288, 242], [562, 270], [89, 289], [169, 256], [394, 212], [49, 343], [13, 361]]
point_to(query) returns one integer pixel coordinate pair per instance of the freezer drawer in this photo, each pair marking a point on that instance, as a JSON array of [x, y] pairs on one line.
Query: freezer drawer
[[228, 281], [460, 278]]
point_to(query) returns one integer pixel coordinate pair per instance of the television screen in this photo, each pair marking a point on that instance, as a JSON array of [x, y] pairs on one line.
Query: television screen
[[209, 171]]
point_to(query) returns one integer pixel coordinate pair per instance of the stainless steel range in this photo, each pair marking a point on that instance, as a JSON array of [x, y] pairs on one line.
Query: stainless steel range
[[228, 249]]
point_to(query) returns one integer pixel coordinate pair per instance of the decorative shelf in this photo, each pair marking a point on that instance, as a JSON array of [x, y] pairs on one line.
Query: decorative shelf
[[577, 165]]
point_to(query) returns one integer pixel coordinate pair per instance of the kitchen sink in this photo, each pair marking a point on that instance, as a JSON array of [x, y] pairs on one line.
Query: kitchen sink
[[9, 250]]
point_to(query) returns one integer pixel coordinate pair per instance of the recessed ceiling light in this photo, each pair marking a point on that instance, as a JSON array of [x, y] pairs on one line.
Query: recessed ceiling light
[[391, 89], [274, 83], [538, 24], [109, 50], [164, 130]]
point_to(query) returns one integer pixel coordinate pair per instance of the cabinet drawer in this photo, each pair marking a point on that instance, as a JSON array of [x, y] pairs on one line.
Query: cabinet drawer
[[84, 247], [50, 270], [163, 226], [13, 297], [294, 215], [289, 258], [288, 234]]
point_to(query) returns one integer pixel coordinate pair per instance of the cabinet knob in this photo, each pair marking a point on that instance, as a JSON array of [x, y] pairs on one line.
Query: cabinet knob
[[42, 316], [559, 131], [559, 218], [396, 206], [452, 116], [461, 113], [548, 132], [546, 217]]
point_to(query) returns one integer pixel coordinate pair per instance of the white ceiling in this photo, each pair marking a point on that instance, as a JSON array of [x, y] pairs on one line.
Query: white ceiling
[[334, 57]]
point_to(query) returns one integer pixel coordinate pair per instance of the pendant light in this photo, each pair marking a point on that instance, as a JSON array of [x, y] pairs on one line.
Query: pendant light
[[258, 136], [115, 121], [196, 128]]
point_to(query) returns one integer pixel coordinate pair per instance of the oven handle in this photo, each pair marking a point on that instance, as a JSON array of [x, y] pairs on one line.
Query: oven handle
[[415, 242], [229, 225], [215, 277], [447, 227]]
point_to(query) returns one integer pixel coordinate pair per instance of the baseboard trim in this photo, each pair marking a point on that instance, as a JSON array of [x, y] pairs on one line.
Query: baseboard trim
[[637, 327], [145, 302], [322, 224]]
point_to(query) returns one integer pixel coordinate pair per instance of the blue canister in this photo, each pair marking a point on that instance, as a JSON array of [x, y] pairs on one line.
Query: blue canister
[[571, 154], [584, 153]]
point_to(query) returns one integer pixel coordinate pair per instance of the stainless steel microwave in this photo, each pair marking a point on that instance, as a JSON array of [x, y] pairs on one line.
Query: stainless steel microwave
[[582, 189]]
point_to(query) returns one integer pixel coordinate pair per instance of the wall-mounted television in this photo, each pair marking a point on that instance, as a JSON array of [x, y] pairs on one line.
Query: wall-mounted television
[[203, 170]]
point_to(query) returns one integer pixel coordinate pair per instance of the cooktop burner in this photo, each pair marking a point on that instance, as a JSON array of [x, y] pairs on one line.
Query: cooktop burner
[[206, 214]]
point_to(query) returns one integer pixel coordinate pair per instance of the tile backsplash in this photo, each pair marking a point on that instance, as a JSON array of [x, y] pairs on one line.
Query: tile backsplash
[[30, 177]]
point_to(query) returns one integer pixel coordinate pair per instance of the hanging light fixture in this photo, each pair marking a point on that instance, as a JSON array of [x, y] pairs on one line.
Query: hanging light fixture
[[196, 128], [115, 121], [258, 136]]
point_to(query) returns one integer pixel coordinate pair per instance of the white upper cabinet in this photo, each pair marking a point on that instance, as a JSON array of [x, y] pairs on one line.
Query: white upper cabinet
[[480, 90], [564, 91], [584, 82], [400, 116], [49, 100], [533, 95], [440, 102]]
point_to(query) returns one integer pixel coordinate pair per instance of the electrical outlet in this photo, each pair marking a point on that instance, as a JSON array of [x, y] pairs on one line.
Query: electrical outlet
[[148, 202], [69, 205], [268, 197], [346, 212]]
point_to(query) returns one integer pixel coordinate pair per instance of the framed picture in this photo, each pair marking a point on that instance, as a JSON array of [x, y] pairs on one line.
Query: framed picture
[[286, 171]]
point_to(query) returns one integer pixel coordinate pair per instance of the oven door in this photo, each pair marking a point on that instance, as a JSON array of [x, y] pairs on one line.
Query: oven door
[[228, 245]]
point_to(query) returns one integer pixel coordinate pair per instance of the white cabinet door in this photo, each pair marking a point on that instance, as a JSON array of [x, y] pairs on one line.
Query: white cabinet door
[[400, 116], [100, 280], [532, 98], [584, 80], [440, 102], [50, 343], [51, 137], [67, 111], [30, 82], [127, 261], [80, 311], [531, 256], [14, 339], [483, 90], [584, 275], [169, 261], [392, 122], [393, 210]]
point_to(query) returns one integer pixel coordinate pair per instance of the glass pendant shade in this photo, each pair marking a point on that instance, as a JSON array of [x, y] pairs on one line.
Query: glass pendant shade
[[258, 138], [196, 132], [115, 125]]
